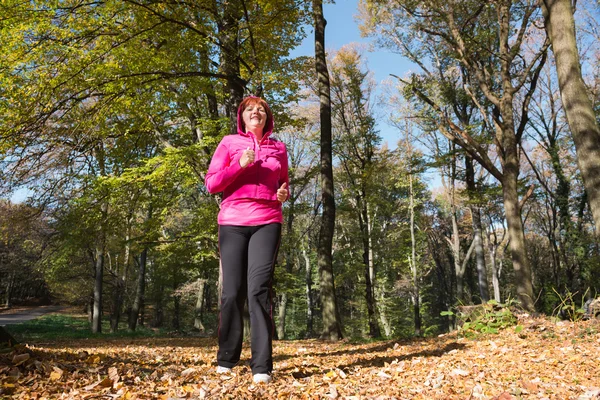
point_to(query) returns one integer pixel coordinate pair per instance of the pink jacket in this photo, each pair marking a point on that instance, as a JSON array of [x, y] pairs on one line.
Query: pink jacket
[[249, 194]]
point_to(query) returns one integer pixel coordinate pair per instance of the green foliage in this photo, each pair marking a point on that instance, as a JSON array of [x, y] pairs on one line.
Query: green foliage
[[568, 308], [487, 318]]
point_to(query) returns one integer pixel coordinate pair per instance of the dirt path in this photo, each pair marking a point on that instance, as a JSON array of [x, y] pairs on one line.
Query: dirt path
[[25, 314]]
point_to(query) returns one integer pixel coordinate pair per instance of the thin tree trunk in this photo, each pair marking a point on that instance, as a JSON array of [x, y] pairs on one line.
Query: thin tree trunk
[[560, 26], [98, 280], [282, 311], [413, 260], [118, 297], [99, 251], [176, 309], [198, 309], [331, 323], [159, 314], [309, 297], [496, 269], [484, 292], [138, 302], [364, 222], [9, 289]]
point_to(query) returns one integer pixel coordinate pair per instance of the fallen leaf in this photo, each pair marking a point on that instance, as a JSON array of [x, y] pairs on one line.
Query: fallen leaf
[[20, 358], [113, 374], [459, 372], [56, 374], [188, 372]]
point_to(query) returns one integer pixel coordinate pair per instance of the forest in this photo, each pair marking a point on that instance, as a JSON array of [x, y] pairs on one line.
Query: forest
[[110, 111]]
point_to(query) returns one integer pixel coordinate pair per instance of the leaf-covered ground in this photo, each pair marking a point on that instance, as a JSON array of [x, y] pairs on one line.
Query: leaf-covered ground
[[546, 360]]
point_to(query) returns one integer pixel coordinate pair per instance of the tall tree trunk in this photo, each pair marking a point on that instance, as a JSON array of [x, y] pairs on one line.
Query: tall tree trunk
[[118, 297], [138, 302], [484, 292], [282, 312], [512, 210], [198, 309], [137, 309], [98, 280], [159, 307], [89, 308], [496, 268], [309, 295], [459, 272], [176, 311], [230, 53], [99, 250], [331, 324], [9, 289], [416, 292], [364, 224], [454, 242], [560, 26], [121, 281]]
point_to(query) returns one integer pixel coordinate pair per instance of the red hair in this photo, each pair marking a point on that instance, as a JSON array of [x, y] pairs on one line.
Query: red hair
[[253, 100]]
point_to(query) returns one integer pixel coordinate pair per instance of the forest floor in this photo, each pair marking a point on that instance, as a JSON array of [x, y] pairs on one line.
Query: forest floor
[[544, 360]]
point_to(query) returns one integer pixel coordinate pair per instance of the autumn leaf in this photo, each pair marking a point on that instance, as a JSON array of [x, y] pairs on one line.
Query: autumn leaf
[[444, 367], [20, 358], [56, 374]]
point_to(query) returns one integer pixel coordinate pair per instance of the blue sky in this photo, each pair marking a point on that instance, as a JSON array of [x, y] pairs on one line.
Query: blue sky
[[342, 29]]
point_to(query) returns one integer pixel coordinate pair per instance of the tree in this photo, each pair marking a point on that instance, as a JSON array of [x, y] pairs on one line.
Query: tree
[[486, 41], [560, 26], [355, 146], [112, 104], [331, 323]]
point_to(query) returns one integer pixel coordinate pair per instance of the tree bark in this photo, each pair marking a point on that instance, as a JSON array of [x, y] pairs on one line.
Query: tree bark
[[560, 26], [229, 56], [309, 296], [199, 305], [138, 302], [364, 224], [118, 297], [512, 209], [9, 289], [99, 250], [98, 281], [331, 324], [416, 292], [484, 292]]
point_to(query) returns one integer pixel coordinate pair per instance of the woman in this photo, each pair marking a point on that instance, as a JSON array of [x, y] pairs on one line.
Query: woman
[[251, 169]]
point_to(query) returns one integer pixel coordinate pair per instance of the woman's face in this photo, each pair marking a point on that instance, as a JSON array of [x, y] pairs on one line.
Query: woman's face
[[254, 117]]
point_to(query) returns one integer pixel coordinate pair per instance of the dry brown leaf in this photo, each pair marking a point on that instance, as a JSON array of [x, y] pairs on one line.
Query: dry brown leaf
[[188, 372], [20, 358], [113, 375], [561, 366]]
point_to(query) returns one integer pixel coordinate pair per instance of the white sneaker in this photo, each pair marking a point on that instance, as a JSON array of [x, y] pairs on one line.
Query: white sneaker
[[262, 378], [223, 370]]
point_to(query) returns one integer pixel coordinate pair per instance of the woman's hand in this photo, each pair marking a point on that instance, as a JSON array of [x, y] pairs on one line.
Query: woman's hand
[[247, 158], [282, 193]]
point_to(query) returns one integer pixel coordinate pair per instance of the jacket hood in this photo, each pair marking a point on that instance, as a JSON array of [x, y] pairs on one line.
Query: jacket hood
[[268, 129]]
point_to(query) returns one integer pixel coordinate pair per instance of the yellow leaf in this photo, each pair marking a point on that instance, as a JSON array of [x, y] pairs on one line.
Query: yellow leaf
[[55, 375]]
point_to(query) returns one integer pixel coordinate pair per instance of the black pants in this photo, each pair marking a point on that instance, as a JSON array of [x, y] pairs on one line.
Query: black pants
[[247, 259]]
